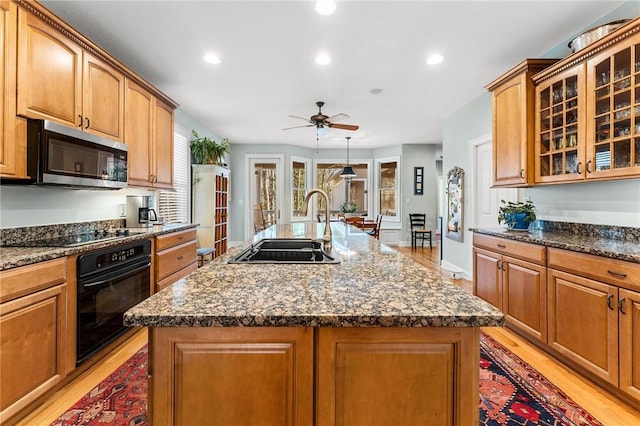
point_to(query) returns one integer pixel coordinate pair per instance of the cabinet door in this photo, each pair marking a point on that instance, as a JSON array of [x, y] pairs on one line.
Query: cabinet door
[[139, 106], [163, 141], [103, 99], [232, 376], [13, 142], [397, 376], [524, 299], [221, 197], [487, 276], [629, 310], [33, 347], [44, 90], [560, 124], [510, 129], [613, 108], [583, 323]]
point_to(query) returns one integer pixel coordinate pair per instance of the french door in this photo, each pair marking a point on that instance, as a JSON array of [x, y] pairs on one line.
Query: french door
[[266, 187]]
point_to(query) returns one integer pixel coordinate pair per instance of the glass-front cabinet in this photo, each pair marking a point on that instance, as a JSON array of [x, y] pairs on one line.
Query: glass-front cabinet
[[560, 135], [613, 108]]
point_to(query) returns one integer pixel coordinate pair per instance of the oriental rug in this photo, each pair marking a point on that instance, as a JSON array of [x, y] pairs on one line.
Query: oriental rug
[[512, 393]]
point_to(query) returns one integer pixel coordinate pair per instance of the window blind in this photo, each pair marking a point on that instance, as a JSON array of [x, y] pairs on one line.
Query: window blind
[[173, 205]]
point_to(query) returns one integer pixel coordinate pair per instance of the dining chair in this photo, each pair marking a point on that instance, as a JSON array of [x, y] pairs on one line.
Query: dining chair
[[375, 232], [418, 230], [258, 218], [357, 221]]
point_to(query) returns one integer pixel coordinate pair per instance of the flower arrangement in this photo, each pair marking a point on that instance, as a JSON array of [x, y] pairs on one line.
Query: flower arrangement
[[348, 207], [517, 215]]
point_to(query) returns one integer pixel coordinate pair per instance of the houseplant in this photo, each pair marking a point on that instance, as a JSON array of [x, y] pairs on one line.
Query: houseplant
[[206, 150], [517, 215], [348, 208]]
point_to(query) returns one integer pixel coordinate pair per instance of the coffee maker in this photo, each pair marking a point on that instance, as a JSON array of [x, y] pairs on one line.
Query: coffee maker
[[140, 212]]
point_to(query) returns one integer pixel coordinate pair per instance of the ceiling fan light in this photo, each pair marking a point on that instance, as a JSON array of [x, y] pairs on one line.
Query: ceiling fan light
[[348, 172]]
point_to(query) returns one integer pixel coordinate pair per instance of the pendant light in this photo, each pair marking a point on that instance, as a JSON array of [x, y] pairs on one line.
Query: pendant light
[[348, 172]]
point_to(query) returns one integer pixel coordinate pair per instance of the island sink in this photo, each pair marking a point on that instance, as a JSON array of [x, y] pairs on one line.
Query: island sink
[[285, 250]]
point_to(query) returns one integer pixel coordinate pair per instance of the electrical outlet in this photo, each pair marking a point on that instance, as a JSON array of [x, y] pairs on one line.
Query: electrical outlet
[[122, 210]]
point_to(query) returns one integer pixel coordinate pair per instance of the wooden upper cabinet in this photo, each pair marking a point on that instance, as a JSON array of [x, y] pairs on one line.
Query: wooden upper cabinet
[[149, 135], [513, 133], [163, 139], [59, 81], [49, 72], [139, 107], [103, 98], [13, 144]]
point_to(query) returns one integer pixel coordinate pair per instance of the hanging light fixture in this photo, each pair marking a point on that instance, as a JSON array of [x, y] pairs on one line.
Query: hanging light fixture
[[348, 172]]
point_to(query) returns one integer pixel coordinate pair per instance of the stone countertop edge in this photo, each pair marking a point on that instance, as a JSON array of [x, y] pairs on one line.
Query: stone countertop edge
[[613, 249], [372, 286], [13, 257]]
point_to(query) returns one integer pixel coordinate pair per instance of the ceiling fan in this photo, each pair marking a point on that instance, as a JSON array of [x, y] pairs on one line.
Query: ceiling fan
[[321, 121]]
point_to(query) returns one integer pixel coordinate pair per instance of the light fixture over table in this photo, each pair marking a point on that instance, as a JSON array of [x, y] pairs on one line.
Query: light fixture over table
[[347, 171]]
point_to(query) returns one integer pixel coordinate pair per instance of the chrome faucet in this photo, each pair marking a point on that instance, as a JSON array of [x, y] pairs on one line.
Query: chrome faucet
[[326, 237]]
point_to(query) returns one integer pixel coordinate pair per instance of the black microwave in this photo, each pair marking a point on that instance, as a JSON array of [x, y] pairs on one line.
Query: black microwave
[[61, 155]]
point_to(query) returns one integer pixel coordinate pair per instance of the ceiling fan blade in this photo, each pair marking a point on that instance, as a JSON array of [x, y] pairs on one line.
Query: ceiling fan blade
[[301, 118], [343, 126], [337, 117], [297, 127]]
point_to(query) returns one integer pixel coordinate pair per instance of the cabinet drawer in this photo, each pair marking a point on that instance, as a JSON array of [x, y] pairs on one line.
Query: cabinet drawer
[[171, 279], [27, 279], [612, 271], [174, 238], [526, 251], [171, 260]]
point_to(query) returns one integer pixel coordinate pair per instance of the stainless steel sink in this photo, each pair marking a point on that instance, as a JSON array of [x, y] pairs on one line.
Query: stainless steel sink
[[285, 250]]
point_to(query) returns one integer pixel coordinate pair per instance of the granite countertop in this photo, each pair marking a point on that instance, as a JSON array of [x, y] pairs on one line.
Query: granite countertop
[[596, 245], [373, 286], [12, 257]]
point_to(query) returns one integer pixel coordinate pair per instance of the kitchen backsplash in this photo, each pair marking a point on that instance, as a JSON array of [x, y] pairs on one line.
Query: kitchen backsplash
[[12, 235], [623, 233]]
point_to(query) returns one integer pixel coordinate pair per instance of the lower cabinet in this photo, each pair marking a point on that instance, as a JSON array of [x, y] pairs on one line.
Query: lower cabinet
[[303, 376], [630, 342], [33, 320], [175, 257], [517, 286]]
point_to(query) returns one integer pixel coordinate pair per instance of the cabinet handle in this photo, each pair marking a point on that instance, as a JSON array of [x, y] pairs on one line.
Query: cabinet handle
[[79, 120], [499, 264], [86, 122], [155, 179], [180, 257], [589, 166], [521, 173], [578, 168], [616, 274], [609, 301], [621, 305], [502, 246]]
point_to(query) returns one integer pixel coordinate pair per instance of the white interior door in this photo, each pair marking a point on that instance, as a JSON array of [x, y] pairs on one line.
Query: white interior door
[[266, 186]]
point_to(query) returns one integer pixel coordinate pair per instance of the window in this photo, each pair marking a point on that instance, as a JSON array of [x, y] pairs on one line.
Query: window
[[341, 189], [388, 187], [300, 185], [173, 206]]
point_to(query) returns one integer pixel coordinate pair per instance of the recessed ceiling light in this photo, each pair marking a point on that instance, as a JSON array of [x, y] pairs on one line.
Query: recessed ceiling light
[[375, 91], [435, 59], [323, 59], [211, 58], [325, 7]]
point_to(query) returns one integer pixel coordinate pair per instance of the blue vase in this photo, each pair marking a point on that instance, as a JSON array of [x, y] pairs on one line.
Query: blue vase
[[517, 221]]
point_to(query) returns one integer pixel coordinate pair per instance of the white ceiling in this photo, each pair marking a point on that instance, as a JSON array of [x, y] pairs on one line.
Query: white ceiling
[[268, 48]]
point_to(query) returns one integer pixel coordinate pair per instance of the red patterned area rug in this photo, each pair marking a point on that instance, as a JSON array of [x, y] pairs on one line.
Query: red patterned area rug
[[512, 393], [121, 399]]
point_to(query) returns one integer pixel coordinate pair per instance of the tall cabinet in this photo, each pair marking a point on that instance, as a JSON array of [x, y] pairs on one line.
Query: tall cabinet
[[210, 204]]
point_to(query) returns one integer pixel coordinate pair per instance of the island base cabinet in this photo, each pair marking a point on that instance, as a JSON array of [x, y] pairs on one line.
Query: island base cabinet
[[231, 376], [397, 376]]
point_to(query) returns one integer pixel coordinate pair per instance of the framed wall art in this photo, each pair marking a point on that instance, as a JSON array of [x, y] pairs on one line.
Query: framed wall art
[[455, 203], [418, 180]]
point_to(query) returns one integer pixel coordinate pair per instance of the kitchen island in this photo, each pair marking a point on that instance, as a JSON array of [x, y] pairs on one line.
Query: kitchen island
[[374, 340]]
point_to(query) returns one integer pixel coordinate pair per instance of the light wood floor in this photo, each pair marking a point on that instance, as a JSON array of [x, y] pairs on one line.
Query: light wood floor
[[608, 409]]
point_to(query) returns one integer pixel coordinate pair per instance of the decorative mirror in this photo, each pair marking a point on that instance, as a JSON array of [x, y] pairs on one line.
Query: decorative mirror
[[455, 198]]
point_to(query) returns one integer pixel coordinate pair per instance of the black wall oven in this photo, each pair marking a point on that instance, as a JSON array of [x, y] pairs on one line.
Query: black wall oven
[[110, 281]]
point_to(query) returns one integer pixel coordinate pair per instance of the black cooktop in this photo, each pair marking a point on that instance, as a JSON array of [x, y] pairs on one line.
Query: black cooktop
[[74, 240]]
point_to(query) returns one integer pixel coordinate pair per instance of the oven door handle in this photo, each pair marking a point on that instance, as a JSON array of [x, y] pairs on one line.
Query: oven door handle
[[121, 274]]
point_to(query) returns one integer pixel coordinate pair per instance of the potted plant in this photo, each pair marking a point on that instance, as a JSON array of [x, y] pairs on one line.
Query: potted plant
[[348, 208], [517, 215], [206, 150]]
